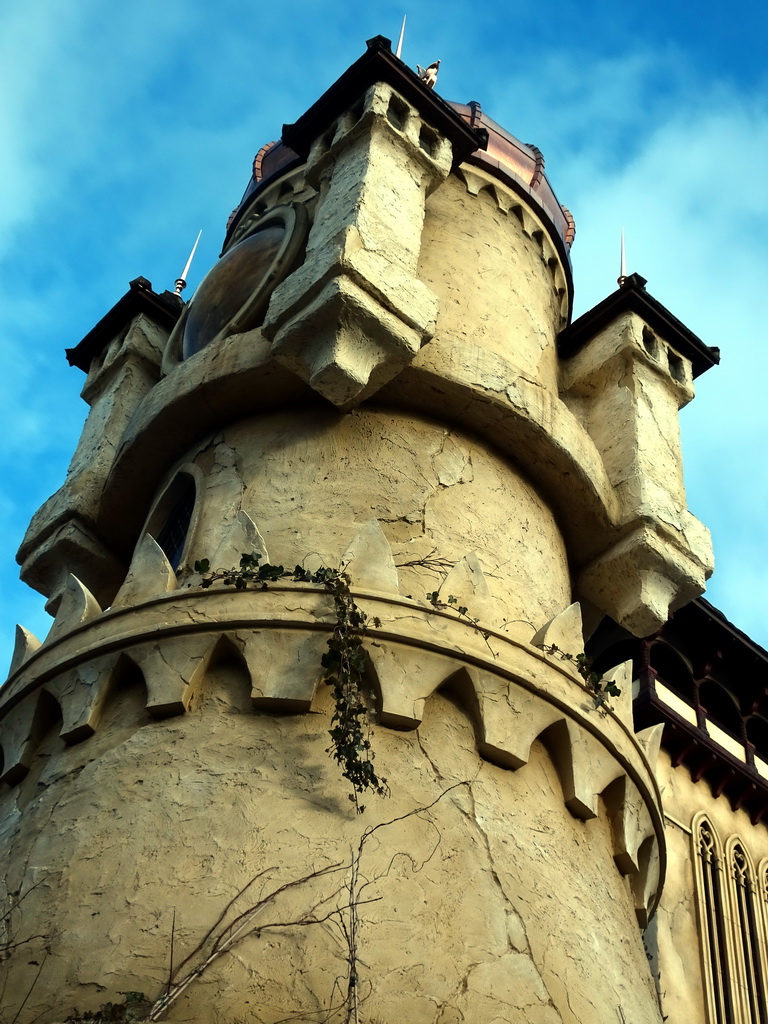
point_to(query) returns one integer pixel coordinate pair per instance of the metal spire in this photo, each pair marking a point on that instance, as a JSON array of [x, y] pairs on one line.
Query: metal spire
[[181, 283], [623, 271], [399, 49]]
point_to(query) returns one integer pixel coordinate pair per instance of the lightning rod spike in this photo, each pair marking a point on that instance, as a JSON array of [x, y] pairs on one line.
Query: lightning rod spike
[[623, 270], [181, 282], [399, 49]]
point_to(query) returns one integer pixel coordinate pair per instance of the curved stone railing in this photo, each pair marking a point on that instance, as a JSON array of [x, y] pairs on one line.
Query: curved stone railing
[[514, 692]]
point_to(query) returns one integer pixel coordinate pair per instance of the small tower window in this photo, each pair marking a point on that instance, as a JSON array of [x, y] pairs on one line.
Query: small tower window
[[676, 367], [650, 343], [171, 520]]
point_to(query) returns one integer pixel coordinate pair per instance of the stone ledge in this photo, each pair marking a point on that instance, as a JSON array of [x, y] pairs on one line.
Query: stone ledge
[[514, 692]]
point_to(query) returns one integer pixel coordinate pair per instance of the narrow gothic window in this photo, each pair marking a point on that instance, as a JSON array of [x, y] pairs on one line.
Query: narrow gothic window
[[172, 534], [713, 926], [747, 930]]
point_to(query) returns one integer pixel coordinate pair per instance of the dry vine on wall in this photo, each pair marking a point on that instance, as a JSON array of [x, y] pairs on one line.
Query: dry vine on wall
[[247, 917]]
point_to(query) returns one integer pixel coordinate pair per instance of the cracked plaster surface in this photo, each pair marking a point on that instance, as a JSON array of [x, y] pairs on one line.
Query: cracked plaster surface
[[496, 879], [311, 481], [507, 304]]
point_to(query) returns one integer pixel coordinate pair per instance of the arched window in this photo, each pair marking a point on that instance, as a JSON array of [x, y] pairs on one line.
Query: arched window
[[732, 916], [673, 672], [170, 520], [749, 944], [713, 917], [721, 708]]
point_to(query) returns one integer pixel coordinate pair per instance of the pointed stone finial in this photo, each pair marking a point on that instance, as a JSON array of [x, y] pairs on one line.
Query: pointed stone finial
[[467, 583], [564, 631], [77, 605], [370, 561], [650, 740], [242, 537], [621, 676], [150, 575], [25, 645]]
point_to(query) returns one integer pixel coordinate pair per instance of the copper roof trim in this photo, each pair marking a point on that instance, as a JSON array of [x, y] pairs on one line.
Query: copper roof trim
[[258, 160]]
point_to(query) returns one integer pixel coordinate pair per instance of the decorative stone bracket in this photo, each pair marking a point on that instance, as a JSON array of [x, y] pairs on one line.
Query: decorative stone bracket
[[354, 314], [62, 537], [627, 386]]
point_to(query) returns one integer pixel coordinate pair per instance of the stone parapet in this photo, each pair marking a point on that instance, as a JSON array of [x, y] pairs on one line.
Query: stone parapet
[[515, 693], [63, 537]]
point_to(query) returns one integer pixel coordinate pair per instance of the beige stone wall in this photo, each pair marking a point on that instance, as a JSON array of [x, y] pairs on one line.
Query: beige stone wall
[[483, 254], [400, 411], [311, 480], [495, 905], [678, 924]]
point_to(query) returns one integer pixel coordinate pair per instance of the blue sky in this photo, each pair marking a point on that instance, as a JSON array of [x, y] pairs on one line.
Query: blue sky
[[126, 128]]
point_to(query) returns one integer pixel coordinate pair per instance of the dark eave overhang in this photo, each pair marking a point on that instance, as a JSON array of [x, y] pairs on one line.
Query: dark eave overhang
[[690, 746], [712, 647], [164, 309], [379, 64], [709, 618], [632, 297]]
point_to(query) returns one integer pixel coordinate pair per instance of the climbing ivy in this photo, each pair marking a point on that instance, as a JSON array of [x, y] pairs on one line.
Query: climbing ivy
[[600, 687], [343, 663], [135, 1007]]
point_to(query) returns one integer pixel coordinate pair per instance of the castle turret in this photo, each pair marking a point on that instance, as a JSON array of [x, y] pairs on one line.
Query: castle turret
[[379, 385]]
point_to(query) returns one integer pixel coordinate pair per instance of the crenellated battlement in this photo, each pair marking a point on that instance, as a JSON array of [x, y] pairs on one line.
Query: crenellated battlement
[[514, 693]]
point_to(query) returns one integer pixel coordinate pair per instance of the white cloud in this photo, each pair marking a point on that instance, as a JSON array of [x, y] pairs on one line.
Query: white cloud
[[643, 140]]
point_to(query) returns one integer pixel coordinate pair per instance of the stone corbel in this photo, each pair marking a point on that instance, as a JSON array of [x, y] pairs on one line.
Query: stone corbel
[[61, 538], [70, 547], [627, 386], [355, 313]]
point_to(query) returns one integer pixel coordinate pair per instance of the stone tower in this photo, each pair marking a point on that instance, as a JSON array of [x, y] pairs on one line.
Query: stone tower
[[380, 373]]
